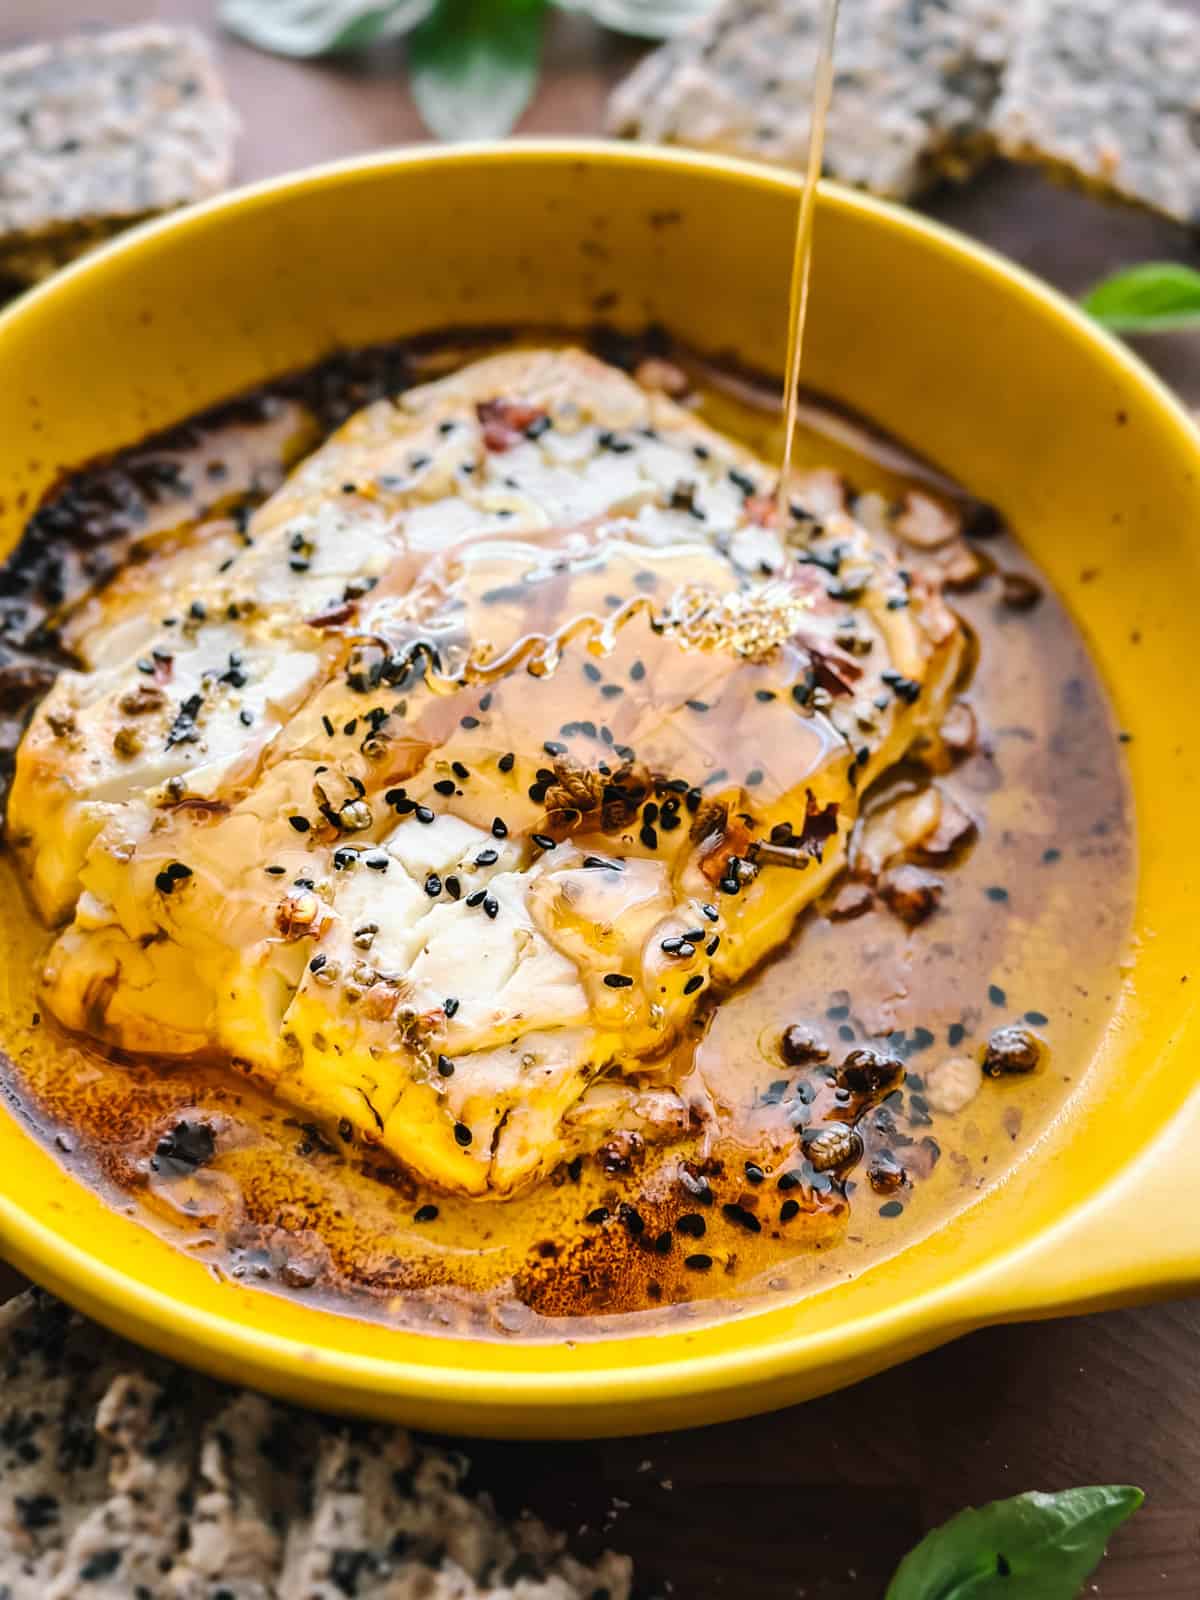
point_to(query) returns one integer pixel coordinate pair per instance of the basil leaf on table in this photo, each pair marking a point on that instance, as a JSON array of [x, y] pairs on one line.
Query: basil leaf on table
[[319, 27], [473, 65], [646, 19], [1035, 1547], [1157, 297]]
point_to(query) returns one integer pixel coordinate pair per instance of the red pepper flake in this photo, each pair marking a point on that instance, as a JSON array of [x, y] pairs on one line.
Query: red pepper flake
[[507, 422]]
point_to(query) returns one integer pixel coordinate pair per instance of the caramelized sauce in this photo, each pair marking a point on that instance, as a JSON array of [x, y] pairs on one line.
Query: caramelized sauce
[[707, 1225]]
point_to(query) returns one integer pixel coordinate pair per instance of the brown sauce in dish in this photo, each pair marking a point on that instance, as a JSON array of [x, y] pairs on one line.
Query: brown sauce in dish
[[706, 1225]]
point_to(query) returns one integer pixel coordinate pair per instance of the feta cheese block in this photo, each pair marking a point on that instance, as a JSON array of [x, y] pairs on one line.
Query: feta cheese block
[[446, 797]]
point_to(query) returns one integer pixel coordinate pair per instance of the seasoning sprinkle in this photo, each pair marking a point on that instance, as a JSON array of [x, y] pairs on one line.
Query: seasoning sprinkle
[[741, 1218]]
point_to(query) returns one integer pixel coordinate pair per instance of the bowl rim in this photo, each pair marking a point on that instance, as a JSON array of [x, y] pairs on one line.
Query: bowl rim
[[905, 1325]]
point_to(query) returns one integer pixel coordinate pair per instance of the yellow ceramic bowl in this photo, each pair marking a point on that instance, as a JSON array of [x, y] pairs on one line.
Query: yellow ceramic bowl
[[953, 349]]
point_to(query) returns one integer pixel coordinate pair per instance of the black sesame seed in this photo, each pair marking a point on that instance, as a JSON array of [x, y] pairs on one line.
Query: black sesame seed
[[696, 981], [648, 837], [444, 786], [697, 705], [394, 796], [741, 1218], [378, 861], [476, 899], [505, 762], [543, 841], [462, 1134], [610, 691], [468, 722], [754, 1173], [1037, 1018], [445, 1066], [487, 857], [277, 872], [997, 995], [433, 886], [425, 1214], [460, 772], [697, 1263], [789, 1180], [450, 1006], [892, 1208], [692, 1225], [485, 702], [1051, 855], [955, 1034], [764, 694], [788, 1210], [499, 828], [753, 779], [453, 886], [711, 913], [423, 814], [351, 727], [592, 671], [301, 824], [617, 980], [596, 1217], [491, 908]]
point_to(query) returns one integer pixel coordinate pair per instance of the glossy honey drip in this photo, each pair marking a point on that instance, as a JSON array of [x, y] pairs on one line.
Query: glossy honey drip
[[822, 89]]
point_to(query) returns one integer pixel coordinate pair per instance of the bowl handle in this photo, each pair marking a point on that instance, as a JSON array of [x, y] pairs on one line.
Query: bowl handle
[[1136, 1240]]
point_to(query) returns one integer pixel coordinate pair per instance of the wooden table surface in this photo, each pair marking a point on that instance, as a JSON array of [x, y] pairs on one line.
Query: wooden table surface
[[819, 1501]]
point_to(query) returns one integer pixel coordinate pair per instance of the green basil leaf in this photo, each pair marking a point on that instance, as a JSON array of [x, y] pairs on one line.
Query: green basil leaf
[[1036, 1546], [474, 65], [319, 27], [647, 19], [1154, 298]]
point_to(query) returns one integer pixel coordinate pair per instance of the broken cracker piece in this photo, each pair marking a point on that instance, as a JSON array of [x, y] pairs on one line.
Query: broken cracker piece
[[915, 83], [1109, 98], [101, 130]]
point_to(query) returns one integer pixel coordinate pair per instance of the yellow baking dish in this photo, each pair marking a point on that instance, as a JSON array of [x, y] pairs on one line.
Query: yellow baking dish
[[957, 351]]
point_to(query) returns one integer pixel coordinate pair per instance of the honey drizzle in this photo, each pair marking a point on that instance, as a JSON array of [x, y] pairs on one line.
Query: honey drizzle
[[802, 260]]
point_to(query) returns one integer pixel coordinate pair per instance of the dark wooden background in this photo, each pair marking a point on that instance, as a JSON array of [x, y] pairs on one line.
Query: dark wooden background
[[819, 1501]]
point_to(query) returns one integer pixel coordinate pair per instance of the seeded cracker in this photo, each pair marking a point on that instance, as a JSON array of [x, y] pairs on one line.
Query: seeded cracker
[[123, 1475], [100, 130], [915, 82], [1109, 96]]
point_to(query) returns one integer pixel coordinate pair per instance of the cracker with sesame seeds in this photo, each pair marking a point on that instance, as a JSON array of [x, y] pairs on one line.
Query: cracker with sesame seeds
[[1108, 97], [122, 1474], [101, 130], [915, 82]]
